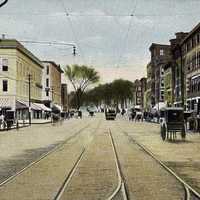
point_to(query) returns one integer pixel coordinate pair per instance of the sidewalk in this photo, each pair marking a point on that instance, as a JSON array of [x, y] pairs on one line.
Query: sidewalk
[[36, 121], [26, 124], [181, 156]]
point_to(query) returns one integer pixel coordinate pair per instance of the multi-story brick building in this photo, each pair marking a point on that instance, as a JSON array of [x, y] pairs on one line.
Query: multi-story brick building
[[190, 47], [177, 70], [160, 55], [16, 64], [64, 97], [143, 82], [52, 84], [139, 92], [148, 102]]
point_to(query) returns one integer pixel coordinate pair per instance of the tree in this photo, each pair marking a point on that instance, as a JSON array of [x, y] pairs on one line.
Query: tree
[[116, 92], [81, 77]]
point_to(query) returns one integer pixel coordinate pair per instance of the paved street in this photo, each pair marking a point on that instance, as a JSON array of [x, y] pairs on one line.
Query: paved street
[[95, 159]]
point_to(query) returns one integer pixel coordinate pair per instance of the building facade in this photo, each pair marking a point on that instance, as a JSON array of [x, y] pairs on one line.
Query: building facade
[[190, 47], [16, 65], [160, 55], [148, 94], [139, 90], [64, 97], [52, 84], [143, 91]]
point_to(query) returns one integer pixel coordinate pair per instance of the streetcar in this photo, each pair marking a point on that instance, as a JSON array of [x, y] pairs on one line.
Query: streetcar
[[110, 114], [171, 122]]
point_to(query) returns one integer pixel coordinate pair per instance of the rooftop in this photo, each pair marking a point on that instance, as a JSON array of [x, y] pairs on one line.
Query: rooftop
[[54, 64], [196, 28], [14, 44]]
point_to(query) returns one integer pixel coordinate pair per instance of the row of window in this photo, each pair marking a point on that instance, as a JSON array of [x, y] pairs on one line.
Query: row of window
[[24, 70], [194, 85], [193, 62], [190, 44]]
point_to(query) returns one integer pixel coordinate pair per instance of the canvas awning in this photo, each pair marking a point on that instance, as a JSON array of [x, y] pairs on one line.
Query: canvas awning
[[57, 106], [33, 105], [20, 105], [43, 107]]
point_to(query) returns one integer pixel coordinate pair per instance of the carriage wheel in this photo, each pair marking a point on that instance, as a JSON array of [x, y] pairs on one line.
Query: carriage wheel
[[163, 133], [183, 133]]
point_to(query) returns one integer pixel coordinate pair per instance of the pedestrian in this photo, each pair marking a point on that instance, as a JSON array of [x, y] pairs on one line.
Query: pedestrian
[[2, 121]]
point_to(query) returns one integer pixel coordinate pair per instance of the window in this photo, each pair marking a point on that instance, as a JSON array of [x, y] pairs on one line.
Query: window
[[161, 52], [5, 85], [47, 93], [5, 65], [198, 38], [47, 69], [47, 82]]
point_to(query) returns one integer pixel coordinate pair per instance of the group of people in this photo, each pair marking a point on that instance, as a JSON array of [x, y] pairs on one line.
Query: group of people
[[138, 115]]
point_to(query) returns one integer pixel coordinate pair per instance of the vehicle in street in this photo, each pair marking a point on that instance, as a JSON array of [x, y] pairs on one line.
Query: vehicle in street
[[171, 122], [110, 114]]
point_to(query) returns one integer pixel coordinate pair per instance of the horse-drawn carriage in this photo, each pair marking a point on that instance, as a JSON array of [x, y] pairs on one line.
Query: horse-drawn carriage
[[172, 121]]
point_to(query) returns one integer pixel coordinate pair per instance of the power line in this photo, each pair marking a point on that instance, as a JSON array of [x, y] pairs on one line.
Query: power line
[[47, 43], [127, 33], [74, 34]]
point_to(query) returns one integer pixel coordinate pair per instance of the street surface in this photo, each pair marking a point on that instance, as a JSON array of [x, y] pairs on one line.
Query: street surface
[[91, 158]]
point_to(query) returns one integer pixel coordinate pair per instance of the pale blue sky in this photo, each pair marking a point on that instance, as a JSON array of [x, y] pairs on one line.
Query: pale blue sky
[[105, 33]]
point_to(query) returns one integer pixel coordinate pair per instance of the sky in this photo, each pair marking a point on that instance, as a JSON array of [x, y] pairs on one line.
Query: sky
[[111, 35]]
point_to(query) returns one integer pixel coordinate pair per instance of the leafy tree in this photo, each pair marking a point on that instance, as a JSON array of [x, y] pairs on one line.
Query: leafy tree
[[81, 77], [116, 92]]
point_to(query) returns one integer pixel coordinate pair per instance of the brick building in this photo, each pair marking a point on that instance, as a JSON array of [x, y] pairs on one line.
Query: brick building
[[160, 55]]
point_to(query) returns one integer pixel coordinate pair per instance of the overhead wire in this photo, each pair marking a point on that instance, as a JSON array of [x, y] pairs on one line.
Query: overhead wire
[[122, 49], [73, 31]]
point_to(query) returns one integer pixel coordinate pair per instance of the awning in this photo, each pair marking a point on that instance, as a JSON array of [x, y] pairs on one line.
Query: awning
[[56, 106], [20, 105], [43, 107], [33, 105]]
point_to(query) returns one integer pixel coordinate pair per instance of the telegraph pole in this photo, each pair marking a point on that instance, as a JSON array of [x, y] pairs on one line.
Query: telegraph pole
[[52, 90], [29, 97]]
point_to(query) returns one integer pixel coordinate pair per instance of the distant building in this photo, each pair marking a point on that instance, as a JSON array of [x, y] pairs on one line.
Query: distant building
[[16, 64], [150, 89], [139, 92], [143, 90], [64, 97], [160, 55], [52, 84]]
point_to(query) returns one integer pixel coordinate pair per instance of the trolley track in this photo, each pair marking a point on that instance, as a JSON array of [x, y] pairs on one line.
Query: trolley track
[[190, 193], [73, 170], [121, 180], [43, 156]]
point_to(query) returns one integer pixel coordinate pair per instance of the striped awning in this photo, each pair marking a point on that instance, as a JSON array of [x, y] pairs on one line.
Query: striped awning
[[43, 107], [33, 105]]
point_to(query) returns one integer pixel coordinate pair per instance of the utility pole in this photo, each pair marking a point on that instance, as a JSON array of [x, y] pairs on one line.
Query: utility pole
[[52, 90], [29, 97]]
